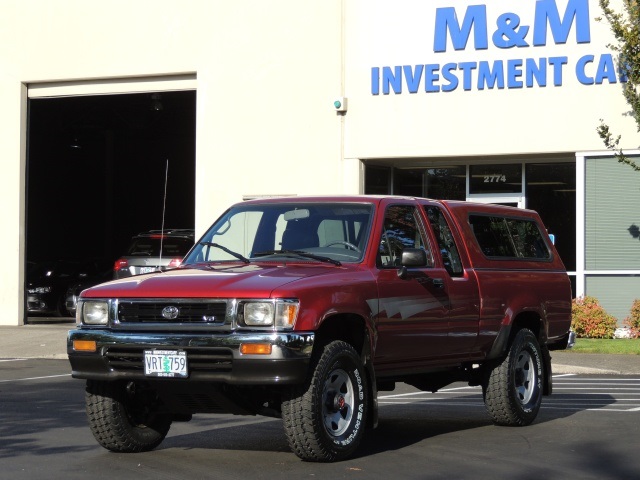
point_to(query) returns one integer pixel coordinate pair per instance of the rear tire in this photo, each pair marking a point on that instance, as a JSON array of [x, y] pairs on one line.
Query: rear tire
[[514, 387], [123, 417], [324, 421]]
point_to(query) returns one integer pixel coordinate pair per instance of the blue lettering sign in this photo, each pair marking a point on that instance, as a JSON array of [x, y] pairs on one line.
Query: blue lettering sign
[[467, 69], [447, 21], [537, 71], [431, 77], [581, 75], [413, 79], [375, 81], [391, 79], [489, 76], [509, 33], [547, 13], [449, 76], [514, 72], [557, 63], [606, 70]]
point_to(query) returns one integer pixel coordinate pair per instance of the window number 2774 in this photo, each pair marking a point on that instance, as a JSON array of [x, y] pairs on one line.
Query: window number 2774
[[497, 178]]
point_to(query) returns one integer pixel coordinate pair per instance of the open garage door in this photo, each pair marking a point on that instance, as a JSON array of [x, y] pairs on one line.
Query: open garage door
[[96, 169]]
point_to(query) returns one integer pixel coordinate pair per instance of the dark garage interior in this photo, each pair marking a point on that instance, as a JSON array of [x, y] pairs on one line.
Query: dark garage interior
[[96, 170]]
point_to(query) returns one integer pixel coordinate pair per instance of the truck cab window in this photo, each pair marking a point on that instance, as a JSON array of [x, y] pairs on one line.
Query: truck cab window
[[401, 230], [446, 243]]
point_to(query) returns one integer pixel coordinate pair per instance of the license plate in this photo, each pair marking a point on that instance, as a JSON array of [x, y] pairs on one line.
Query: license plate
[[147, 269], [165, 363]]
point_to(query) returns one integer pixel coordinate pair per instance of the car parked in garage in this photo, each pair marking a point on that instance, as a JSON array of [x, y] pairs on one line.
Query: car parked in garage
[[154, 251], [48, 282], [104, 274]]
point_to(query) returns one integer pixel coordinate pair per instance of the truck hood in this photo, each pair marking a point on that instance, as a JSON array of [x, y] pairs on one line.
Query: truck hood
[[243, 281]]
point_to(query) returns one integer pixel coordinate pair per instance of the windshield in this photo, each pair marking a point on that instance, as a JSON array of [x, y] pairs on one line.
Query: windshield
[[333, 232]]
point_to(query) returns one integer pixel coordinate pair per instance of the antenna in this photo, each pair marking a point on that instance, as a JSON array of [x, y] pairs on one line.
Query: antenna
[[164, 206]]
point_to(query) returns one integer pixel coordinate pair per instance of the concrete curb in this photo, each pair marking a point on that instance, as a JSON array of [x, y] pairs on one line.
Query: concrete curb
[[559, 369]]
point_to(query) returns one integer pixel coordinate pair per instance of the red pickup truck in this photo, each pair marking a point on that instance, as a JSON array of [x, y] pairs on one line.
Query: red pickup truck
[[304, 308]]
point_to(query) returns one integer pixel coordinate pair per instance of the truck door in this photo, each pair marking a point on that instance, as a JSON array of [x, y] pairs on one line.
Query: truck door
[[461, 283], [412, 315]]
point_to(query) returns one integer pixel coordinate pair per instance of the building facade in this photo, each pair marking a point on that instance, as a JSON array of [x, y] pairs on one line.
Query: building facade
[[486, 101]]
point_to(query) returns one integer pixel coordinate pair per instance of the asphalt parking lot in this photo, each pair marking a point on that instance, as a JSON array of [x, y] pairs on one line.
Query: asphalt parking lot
[[587, 429]]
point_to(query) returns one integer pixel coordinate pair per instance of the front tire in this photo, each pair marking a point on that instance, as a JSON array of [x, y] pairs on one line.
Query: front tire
[[123, 417], [324, 421], [513, 389]]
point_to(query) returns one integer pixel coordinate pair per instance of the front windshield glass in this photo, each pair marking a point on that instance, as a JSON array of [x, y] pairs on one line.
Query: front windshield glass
[[334, 232]]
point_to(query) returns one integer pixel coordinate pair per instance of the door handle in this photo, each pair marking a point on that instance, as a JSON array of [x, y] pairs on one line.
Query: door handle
[[438, 282]]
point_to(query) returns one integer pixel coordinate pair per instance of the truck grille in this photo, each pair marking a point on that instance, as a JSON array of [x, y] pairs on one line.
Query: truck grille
[[168, 312], [210, 360]]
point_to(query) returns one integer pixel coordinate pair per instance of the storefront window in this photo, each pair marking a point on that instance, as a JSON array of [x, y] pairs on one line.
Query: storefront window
[[494, 179], [377, 180], [446, 183], [551, 191], [442, 183], [408, 182], [616, 293], [612, 233]]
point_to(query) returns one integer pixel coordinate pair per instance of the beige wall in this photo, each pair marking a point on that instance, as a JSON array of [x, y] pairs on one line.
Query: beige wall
[[266, 122], [12, 154]]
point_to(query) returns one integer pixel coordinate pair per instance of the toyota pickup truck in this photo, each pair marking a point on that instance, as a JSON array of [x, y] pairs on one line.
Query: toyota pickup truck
[[304, 308]]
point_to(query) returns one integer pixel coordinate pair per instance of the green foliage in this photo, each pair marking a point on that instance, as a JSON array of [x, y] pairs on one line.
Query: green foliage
[[633, 320], [626, 30], [590, 320]]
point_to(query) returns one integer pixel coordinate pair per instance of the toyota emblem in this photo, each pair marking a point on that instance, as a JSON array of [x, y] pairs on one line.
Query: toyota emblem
[[170, 312]]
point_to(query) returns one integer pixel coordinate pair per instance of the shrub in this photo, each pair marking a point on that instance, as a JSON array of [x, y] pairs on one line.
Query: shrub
[[633, 320], [590, 320]]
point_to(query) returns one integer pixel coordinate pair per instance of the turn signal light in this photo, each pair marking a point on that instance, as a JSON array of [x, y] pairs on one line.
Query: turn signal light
[[255, 349], [84, 345]]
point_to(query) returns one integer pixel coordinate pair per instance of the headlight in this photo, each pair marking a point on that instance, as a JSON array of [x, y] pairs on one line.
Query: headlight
[[258, 314], [280, 314], [95, 312]]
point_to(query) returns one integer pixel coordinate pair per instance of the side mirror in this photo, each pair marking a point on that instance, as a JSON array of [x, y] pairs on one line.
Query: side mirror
[[411, 257]]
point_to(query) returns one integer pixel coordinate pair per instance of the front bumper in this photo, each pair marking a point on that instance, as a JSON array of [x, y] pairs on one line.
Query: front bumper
[[211, 357]]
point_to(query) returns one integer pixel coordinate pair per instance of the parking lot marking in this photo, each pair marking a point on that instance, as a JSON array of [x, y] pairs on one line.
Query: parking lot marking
[[592, 388], [35, 378], [571, 392]]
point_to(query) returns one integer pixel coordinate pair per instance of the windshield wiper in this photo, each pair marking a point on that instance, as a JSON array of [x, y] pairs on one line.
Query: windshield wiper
[[225, 249], [299, 253]]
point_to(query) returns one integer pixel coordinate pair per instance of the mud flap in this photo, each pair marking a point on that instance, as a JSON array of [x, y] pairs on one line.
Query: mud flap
[[548, 377], [372, 420]]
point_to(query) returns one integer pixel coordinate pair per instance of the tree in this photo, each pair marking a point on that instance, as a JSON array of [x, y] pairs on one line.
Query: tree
[[625, 27]]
